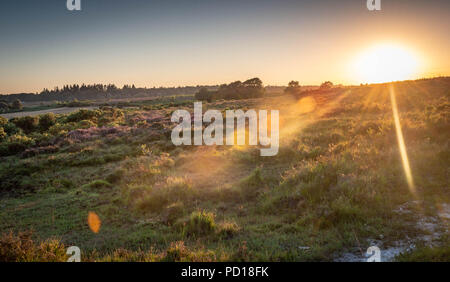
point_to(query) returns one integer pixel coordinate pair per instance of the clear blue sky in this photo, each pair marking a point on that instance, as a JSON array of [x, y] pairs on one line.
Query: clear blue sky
[[171, 43]]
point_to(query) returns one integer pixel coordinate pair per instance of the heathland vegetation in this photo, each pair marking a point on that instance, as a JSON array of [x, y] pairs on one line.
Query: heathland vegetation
[[337, 185]]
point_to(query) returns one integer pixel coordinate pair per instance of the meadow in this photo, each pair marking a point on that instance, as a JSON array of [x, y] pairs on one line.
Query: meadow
[[337, 186]]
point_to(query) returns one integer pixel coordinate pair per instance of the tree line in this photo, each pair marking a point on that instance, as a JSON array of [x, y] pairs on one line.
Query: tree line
[[100, 91], [251, 88]]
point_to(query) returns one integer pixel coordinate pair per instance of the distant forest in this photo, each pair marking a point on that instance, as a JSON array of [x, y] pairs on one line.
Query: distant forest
[[100, 91]]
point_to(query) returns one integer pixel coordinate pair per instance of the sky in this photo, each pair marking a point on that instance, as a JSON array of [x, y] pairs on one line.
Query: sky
[[207, 42]]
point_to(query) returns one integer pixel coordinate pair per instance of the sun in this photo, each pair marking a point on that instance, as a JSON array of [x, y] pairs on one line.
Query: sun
[[384, 63]]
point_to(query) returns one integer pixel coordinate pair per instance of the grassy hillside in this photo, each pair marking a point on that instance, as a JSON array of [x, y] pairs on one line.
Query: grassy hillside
[[337, 185]]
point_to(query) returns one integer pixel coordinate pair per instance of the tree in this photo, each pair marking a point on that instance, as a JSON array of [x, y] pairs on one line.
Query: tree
[[253, 82], [326, 85], [17, 105], [293, 87]]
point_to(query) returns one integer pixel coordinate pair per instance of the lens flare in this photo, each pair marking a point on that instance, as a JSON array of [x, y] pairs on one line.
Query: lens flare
[[386, 63], [94, 222], [401, 142]]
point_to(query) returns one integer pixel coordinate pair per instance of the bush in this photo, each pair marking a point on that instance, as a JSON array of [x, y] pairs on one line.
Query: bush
[[46, 121], [176, 252], [61, 128], [228, 229], [85, 124], [2, 134], [17, 105], [3, 121], [11, 129], [83, 114], [200, 223], [28, 123], [21, 248], [15, 144]]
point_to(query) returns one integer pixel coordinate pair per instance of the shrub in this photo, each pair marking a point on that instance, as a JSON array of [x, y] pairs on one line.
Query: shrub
[[83, 114], [21, 248], [10, 128], [17, 105], [46, 121], [15, 144], [3, 121], [200, 223], [28, 123], [176, 252], [85, 124], [61, 128], [228, 229], [2, 134]]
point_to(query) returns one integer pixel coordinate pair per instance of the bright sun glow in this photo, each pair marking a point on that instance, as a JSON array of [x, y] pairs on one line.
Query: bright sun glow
[[386, 63]]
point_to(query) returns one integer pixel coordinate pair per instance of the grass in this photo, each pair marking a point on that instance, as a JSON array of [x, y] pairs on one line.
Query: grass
[[336, 183]]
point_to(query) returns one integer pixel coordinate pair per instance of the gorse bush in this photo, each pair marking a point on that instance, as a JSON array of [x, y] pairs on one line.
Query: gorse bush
[[15, 144], [46, 121], [3, 134], [28, 123], [3, 121], [83, 114]]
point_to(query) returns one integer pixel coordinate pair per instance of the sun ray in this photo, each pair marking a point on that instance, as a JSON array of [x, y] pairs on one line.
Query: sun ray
[[401, 142]]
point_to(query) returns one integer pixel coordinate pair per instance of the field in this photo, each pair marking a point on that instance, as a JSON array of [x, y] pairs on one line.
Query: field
[[110, 181]]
